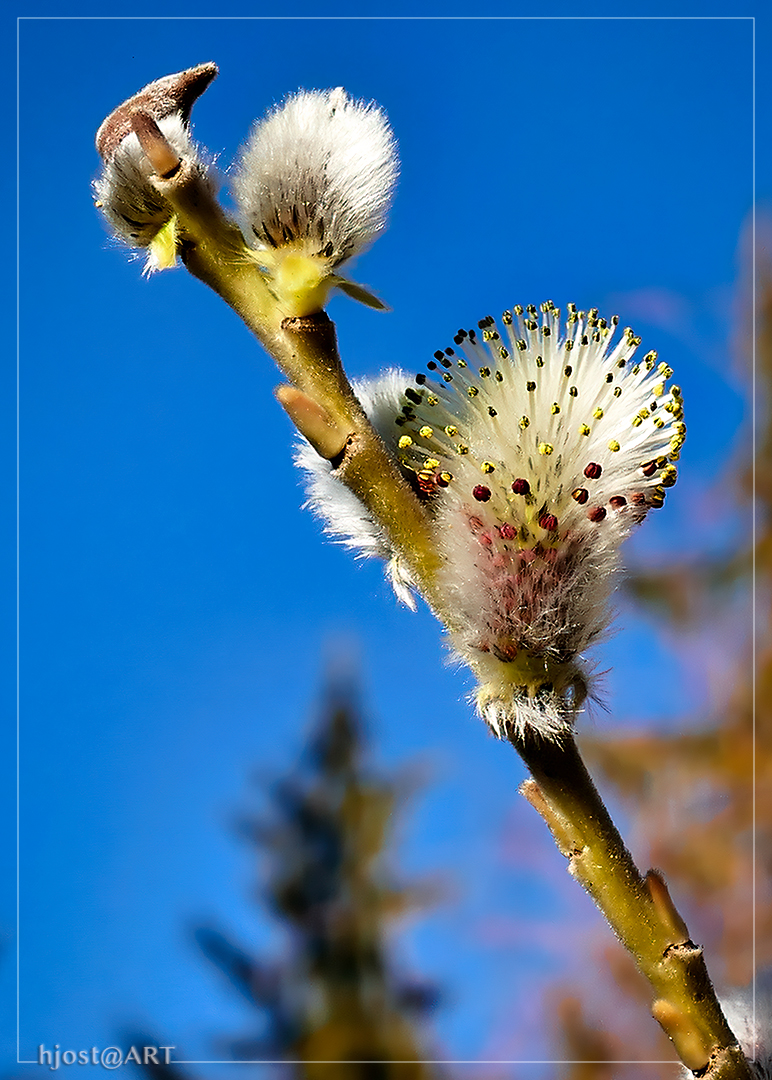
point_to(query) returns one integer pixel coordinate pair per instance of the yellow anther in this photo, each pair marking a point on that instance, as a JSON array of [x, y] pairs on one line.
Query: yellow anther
[[545, 448], [462, 448], [598, 414], [487, 466], [446, 476], [613, 445], [426, 432], [680, 428], [555, 408], [472, 391], [644, 413], [668, 476], [659, 422], [659, 389], [431, 463], [432, 400], [524, 422], [637, 421], [584, 429], [451, 430], [404, 442]]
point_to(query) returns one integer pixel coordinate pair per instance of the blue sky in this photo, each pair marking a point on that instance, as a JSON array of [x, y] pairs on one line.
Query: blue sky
[[178, 605]]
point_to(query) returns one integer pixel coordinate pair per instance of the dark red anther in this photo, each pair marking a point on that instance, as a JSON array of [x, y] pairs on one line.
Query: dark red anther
[[593, 470], [440, 481], [581, 495], [548, 522], [521, 487], [481, 493], [649, 468], [638, 498], [596, 513], [616, 502], [509, 532]]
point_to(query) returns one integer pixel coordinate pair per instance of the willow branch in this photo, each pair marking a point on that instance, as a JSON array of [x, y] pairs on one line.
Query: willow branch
[[322, 403], [305, 349], [639, 910]]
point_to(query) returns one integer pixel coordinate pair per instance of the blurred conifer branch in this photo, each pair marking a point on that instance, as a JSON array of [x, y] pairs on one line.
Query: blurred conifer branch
[[333, 1001]]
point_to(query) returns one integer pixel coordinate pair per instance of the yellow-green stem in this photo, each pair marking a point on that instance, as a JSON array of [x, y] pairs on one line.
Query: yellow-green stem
[[563, 792], [305, 349]]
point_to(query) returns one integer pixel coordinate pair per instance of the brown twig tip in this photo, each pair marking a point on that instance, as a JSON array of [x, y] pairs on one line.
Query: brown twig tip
[[683, 1033], [665, 908], [171, 94], [160, 154]]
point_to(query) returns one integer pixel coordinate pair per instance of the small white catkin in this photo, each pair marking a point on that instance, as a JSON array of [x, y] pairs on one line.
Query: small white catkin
[[318, 174]]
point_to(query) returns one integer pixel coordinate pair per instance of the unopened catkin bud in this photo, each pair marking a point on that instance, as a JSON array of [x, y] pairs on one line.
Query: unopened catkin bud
[[136, 212]]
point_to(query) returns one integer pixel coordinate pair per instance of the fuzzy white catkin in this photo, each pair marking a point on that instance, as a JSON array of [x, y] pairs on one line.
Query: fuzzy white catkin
[[318, 173]]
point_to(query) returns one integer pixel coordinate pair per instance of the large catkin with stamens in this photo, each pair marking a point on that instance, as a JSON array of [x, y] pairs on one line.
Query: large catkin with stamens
[[537, 446]]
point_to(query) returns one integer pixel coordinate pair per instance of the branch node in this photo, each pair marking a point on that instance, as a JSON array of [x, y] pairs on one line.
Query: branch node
[[684, 1034], [559, 828], [665, 908], [164, 159], [314, 423]]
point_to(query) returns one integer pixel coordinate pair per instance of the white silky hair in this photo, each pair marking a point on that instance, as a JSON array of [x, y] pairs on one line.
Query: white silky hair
[[132, 206], [753, 1034], [318, 172], [345, 518]]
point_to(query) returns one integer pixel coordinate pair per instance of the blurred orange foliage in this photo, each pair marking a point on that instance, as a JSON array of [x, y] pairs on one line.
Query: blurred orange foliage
[[699, 799]]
